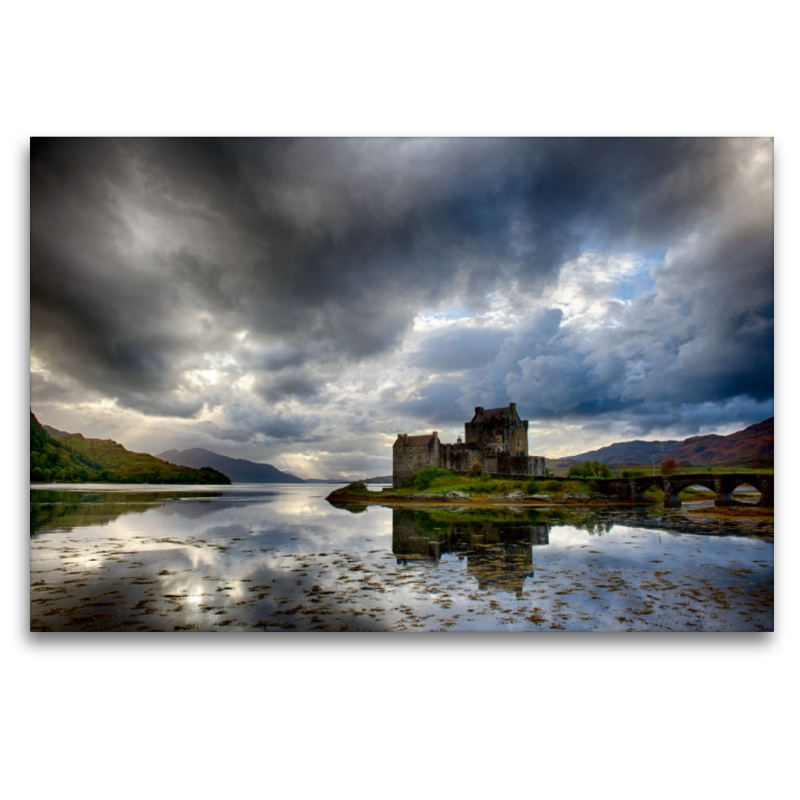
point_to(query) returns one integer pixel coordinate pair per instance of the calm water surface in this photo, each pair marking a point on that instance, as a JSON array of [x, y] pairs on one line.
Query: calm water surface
[[279, 557]]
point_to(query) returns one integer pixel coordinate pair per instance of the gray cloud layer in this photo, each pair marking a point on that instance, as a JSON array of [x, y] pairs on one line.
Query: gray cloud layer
[[295, 261]]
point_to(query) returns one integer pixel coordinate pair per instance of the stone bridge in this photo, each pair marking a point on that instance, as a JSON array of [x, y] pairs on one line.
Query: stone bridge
[[633, 489]]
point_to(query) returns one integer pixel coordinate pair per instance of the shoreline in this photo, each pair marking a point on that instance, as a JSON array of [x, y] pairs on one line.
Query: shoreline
[[342, 497]]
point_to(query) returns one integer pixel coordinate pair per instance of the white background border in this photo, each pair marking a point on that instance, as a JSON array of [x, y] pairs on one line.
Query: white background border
[[452, 715]]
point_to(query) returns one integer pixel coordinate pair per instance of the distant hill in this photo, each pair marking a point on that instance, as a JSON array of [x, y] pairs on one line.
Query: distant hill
[[72, 458], [239, 470], [753, 446], [636, 452]]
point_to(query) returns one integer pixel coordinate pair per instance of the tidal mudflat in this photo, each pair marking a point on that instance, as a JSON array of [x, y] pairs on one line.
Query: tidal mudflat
[[274, 557]]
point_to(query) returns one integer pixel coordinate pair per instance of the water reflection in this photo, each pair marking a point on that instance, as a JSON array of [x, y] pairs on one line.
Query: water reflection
[[497, 551], [64, 509], [282, 558]]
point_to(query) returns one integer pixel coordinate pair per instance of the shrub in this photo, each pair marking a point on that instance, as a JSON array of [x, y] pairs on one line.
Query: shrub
[[669, 466], [425, 477], [475, 470], [590, 469], [552, 486], [532, 487]]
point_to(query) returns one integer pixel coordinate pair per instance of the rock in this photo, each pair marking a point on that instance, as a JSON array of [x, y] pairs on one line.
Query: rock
[[457, 496], [541, 497], [515, 496]]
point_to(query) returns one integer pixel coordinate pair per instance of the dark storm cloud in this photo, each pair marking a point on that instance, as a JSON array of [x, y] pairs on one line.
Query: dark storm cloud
[[703, 335], [274, 386], [148, 257], [247, 422], [436, 403], [457, 349]]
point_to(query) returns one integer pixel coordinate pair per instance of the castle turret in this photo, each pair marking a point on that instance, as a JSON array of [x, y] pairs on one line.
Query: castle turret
[[499, 429]]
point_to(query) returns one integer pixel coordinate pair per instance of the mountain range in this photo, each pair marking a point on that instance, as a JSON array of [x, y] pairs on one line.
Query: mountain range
[[754, 446], [239, 470]]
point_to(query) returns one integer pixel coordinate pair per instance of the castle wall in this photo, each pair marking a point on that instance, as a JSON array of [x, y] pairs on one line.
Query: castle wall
[[407, 462], [515, 465], [536, 466], [459, 457], [410, 454]]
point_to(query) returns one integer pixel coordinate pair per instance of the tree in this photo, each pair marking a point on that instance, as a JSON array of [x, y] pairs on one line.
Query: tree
[[668, 466], [590, 469]]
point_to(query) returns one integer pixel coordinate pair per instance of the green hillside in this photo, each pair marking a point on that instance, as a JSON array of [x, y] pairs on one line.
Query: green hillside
[[75, 459]]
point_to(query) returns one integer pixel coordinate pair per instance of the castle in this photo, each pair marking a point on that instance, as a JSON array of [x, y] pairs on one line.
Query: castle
[[495, 438]]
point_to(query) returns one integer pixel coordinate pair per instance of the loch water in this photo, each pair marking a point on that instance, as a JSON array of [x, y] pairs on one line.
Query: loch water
[[278, 557]]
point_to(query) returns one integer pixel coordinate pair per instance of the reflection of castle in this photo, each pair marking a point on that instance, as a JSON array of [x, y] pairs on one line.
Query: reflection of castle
[[499, 554], [495, 438]]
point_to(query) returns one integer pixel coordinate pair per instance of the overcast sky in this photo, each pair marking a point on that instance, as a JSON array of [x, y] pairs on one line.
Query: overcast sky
[[300, 302]]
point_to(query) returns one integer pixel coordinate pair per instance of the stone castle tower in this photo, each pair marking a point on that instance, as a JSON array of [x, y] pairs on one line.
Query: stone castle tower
[[495, 438]]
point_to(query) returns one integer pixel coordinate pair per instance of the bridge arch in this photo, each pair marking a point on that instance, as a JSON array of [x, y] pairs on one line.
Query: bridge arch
[[675, 484], [752, 483], [744, 496], [645, 484], [706, 481], [762, 483]]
